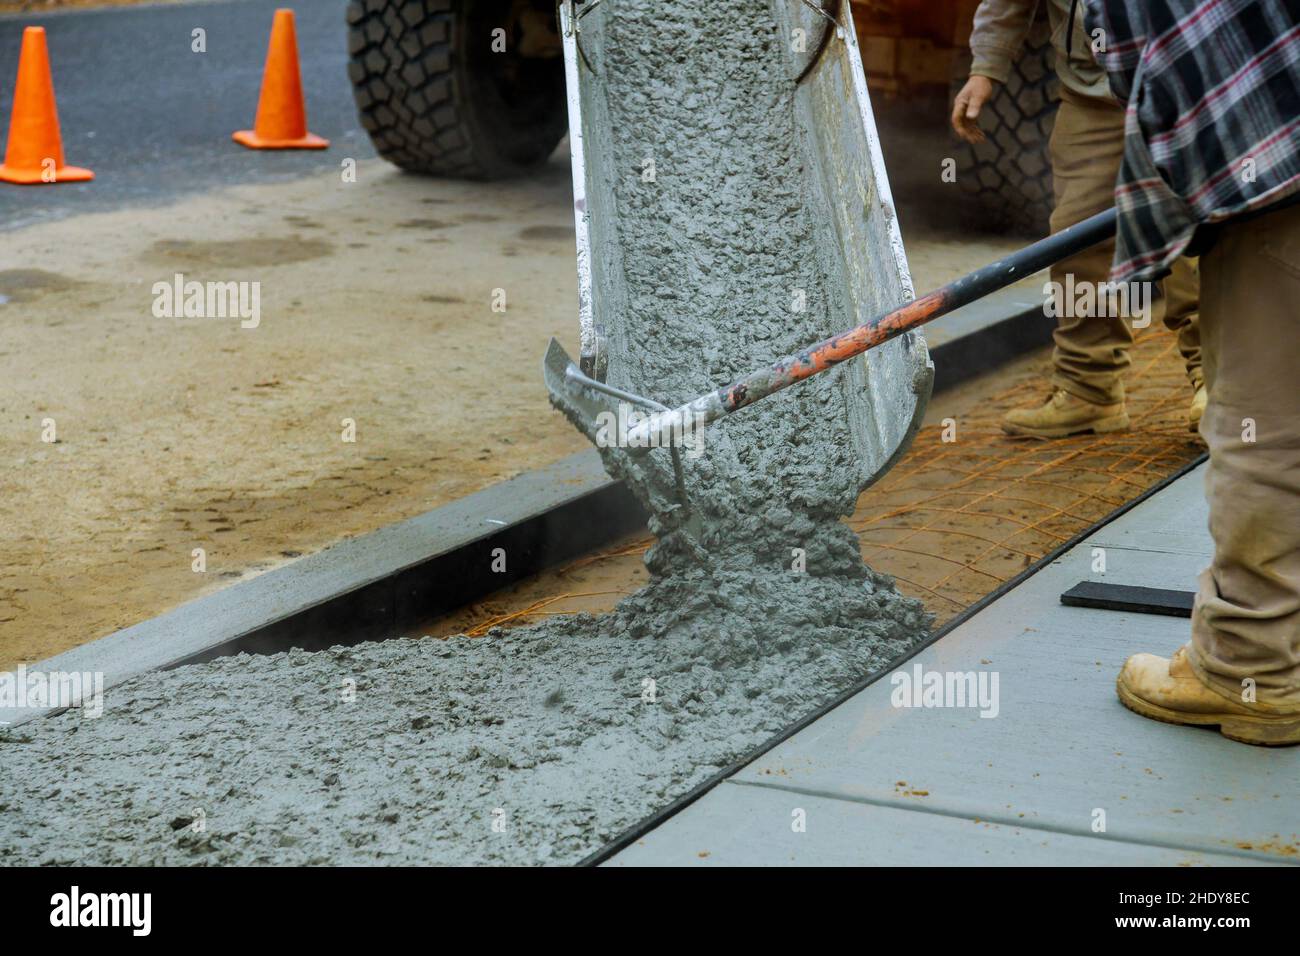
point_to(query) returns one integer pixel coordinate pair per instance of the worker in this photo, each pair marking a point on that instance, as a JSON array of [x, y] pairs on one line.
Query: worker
[[1212, 164], [1092, 340]]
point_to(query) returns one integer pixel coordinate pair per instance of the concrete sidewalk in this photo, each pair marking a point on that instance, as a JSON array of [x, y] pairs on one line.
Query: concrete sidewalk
[[879, 784]]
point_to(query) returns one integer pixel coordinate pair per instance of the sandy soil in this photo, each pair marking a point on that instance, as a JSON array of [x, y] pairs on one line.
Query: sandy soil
[[376, 302]]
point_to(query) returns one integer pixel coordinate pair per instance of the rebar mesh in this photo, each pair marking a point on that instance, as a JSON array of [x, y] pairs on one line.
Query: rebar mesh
[[955, 518]]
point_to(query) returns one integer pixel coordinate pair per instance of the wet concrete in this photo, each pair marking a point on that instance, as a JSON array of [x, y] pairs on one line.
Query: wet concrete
[[532, 746]]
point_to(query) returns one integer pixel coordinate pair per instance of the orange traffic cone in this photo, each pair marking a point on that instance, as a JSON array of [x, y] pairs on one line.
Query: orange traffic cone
[[281, 113], [34, 153]]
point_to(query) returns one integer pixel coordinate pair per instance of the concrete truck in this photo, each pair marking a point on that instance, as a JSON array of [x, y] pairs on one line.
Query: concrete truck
[[475, 89]]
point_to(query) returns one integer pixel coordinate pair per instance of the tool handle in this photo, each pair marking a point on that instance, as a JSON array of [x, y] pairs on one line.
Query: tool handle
[[839, 348], [1024, 262]]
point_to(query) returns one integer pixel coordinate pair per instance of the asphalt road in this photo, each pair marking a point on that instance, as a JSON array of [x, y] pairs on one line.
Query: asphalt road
[[153, 119]]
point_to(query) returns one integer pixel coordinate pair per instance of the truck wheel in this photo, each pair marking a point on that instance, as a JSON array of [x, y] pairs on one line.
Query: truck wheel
[[436, 97], [1009, 177]]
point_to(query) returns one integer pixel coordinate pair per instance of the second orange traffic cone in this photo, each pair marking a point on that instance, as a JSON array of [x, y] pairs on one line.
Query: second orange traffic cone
[[281, 112], [34, 153]]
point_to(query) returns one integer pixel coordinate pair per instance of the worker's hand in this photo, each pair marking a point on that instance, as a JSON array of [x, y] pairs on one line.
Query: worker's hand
[[966, 108]]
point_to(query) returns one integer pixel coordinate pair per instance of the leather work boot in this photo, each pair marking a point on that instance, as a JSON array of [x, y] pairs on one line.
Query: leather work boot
[[1198, 408], [1169, 690], [1063, 414]]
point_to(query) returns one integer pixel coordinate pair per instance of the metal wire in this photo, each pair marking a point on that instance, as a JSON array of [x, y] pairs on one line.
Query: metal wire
[[996, 504], [833, 30], [817, 8]]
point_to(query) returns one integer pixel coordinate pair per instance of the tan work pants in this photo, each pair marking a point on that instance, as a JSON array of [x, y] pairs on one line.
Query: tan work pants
[[1246, 622], [1092, 351]]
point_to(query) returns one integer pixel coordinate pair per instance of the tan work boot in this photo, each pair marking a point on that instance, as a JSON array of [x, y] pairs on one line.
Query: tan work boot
[[1064, 414], [1198, 408], [1169, 690]]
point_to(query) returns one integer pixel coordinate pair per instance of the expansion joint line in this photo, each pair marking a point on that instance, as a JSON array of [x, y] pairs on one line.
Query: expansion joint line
[[1002, 820]]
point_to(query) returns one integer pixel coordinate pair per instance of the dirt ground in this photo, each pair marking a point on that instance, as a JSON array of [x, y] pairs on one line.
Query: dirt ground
[[176, 434]]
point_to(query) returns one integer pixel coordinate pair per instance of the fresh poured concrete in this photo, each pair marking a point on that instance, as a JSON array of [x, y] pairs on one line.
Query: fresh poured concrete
[[540, 744], [878, 783]]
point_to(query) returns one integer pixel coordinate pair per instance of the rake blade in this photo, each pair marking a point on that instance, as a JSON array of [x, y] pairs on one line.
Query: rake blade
[[656, 477], [580, 405]]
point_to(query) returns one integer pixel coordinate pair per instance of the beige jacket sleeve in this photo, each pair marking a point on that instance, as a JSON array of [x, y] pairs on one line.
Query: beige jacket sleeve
[[998, 36]]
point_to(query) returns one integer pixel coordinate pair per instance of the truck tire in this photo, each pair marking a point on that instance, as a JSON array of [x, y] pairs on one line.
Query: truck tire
[[1009, 177], [434, 96]]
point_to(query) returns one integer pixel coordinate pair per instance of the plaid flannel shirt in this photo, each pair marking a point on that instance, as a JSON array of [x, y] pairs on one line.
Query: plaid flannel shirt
[[1212, 129]]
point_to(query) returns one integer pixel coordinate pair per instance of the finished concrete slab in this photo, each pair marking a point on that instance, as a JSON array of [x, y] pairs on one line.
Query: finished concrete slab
[[1057, 755], [760, 826]]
